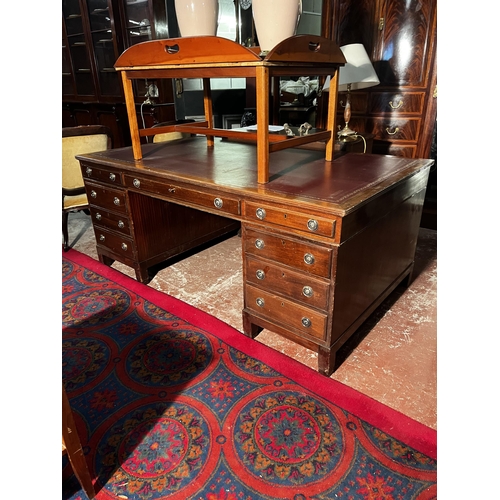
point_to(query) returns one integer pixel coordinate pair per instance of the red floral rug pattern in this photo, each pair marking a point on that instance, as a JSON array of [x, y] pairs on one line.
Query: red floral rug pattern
[[171, 403]]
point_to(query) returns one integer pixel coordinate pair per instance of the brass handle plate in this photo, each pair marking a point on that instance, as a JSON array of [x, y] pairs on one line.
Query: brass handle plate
[[393, 131]]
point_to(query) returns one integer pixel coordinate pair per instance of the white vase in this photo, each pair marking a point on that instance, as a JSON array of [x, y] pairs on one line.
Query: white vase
[[275, 20], [197, 17]]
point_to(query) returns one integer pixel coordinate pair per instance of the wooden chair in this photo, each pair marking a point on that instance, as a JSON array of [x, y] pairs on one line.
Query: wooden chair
[[72, 446], [75, 141]]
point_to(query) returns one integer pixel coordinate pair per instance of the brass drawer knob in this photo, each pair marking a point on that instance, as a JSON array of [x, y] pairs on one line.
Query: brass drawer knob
[[112, 177], [392, 131], [307, 291], [259, 244], [121, 224], [260, 301], [306, 322], [309, 258], [137, 183], [93, 194], [260, 274], [218, 203], [102, 237], [98, 216], [88, 171], [116, 201], [312, 225], [124, 246], [260, 213]]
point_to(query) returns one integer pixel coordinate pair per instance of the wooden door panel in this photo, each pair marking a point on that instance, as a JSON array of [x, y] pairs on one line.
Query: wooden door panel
[[402, 57]]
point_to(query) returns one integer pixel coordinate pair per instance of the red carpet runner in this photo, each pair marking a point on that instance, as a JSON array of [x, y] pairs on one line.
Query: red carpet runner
[[172, 403]]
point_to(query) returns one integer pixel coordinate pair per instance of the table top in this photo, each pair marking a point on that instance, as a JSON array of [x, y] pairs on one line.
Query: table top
[[297, 176]]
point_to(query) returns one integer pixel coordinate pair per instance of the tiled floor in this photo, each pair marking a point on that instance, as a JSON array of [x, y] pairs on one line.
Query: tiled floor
[[391, 358]]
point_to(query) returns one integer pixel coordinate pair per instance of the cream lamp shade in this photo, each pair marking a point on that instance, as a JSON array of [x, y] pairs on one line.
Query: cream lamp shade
[[358, 70]]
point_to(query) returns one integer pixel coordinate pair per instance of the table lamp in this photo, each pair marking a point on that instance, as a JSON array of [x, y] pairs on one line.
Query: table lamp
[[358, 73]]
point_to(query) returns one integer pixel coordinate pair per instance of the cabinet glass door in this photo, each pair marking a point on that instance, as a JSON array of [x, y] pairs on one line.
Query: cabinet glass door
[[105, 46], [76, 43], [138, 18]]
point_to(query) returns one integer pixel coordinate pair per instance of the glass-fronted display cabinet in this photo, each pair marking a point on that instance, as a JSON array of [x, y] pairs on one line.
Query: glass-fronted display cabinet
[[94, 34], [90, 49], [77, 73]]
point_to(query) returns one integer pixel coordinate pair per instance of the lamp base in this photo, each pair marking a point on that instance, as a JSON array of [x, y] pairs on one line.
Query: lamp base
[[347, 135]]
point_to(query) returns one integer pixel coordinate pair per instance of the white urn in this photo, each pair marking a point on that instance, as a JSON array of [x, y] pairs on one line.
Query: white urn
[[197, 17], [275, 20]]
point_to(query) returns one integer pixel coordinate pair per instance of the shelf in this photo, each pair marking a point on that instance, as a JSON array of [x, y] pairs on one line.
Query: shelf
[[215, 57]]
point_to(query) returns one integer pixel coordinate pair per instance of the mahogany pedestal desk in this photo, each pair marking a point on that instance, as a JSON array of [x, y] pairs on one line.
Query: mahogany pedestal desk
[[323, 243]]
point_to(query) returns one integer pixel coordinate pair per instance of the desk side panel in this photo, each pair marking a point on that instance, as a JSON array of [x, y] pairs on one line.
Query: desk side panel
[[370, 264]]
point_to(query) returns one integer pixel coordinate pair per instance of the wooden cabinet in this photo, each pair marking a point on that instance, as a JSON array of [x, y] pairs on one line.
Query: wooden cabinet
[[400, 36], [94, 34]]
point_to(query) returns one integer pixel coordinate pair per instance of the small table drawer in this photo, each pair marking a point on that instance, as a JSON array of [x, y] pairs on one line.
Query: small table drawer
[[115, 242], [224, 204], [286, 218], [102, 196], [301, 287], [286, 313], [116, 222], [100, 174], [301, 256]]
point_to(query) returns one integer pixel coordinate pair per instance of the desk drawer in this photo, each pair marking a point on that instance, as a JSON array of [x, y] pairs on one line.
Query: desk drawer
[[298, 286], [104, 197], [116, 222], [301, 256], [223, 204], [286, 313], [115, 242], [285, 218], [100, 174]]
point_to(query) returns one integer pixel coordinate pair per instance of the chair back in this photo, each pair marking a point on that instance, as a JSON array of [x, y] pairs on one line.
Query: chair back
[[81, 140]]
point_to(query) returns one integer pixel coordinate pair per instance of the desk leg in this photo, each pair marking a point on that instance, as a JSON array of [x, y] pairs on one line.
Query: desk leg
[[326, 361], [249, 329], [142, 275], [106, 260]]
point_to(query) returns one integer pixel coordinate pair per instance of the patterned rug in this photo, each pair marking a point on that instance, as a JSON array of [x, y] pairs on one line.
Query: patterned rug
[[171, 403]]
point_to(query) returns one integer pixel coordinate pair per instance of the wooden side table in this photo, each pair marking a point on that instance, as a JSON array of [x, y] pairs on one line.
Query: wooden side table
[[214, 57]]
